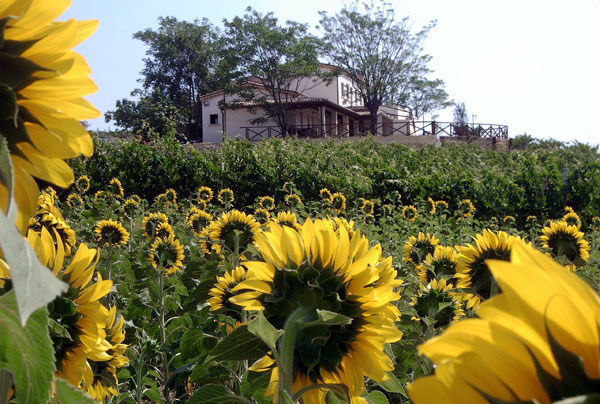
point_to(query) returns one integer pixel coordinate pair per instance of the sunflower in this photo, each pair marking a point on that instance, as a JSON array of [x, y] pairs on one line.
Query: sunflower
[[80, 316], [116, 189], [338, 202], [288, 186], [288, 219], [441, 205], [387, 209], [465, 208], [151, 222], [320, 268], [564, 240], [509, 220], [106, 371], [50, 217], [225, 196], [325, 195], [166, 254], [262, 215], [417, 248], [47, 80], [293, 200], [110, 233], [98, 196], [410, 213], [432, 205], [74, 201], [198, 221], [572, 219], [266, 202], [537, 341], [233, 229], [204, 194], [82, 184], [171, 196], [222, 291], [472, 258], [367, 207], [436, 301], [136, 198], [339, 222], [439, 265], [531, 219], [129, 207], [596, 222], [569, 209], [163, 230]]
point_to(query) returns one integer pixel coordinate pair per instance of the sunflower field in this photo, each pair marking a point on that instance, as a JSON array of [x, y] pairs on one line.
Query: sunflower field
[[283, 272]]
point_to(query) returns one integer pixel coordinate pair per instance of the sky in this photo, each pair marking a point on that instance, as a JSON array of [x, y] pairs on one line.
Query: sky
[[532, 65]]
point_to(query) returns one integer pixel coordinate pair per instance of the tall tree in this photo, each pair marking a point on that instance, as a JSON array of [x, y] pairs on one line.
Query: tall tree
[[182, 63], [151, 112], [279, 58], [380, 54]]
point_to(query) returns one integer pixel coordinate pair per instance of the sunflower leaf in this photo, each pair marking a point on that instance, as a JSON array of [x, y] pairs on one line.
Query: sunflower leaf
[[375, 397], [35, 285], [26, 351], [326, 317], [392, 385], [239, 345], [216, 394], [261, 327], [9, 110], [65, 394]]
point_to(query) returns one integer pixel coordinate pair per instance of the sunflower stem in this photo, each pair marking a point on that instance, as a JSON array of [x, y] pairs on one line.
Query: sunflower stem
[[5, 385], [109, 270], [285, 362], [163, 335]]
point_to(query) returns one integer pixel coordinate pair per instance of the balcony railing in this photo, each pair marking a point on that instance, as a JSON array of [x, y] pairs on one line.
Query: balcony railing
[[422, 128]]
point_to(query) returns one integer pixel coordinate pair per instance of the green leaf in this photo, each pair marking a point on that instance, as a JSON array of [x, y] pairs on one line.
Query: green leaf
[[392, 385], [239, 345], [35, 286], [326, 317], [26, 351], [153, 395], [216, 394], [375, 397], [340, 390], [192, 344], [6, 178], [66, 394], [331, 398], [261, 327]]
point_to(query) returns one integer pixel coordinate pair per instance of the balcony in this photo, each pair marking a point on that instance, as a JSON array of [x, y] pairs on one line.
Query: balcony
[[404, 128]]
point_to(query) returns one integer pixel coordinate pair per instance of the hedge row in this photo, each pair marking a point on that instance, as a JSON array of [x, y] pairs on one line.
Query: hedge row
[[530, 182]]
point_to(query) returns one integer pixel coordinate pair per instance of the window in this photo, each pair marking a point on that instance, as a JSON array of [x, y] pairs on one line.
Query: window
[[214, 119]]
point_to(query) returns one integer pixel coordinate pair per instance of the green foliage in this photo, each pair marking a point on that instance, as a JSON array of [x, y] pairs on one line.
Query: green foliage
[[67, 394], [520, 183], [26, 351], [151, 113]]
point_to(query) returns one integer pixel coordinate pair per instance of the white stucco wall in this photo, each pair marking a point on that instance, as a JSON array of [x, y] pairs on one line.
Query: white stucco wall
[[347, 93]]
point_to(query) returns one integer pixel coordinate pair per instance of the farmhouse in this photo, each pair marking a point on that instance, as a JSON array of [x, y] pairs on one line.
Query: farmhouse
[[318, 108]]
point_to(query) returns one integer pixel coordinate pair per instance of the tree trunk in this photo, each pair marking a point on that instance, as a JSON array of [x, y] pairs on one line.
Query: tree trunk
[[373, 124]]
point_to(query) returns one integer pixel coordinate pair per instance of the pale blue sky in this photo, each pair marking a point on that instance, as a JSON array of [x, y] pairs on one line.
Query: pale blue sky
[[532, 65]]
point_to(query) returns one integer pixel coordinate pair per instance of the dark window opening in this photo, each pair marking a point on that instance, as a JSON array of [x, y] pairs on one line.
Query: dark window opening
[[214, 119]]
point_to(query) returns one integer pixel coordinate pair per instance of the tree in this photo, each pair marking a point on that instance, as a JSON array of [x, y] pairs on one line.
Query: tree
[[424, 96], [182, 64], [378, 53], [461, 120], [277, 58], [152, 112]]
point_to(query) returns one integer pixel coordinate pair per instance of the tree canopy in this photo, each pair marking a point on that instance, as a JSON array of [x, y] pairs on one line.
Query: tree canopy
[[379, 53], [279, 58]]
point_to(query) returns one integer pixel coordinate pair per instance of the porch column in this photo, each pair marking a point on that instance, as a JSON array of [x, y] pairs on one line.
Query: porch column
[[322, 121], [336, 120], [345, 125]]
